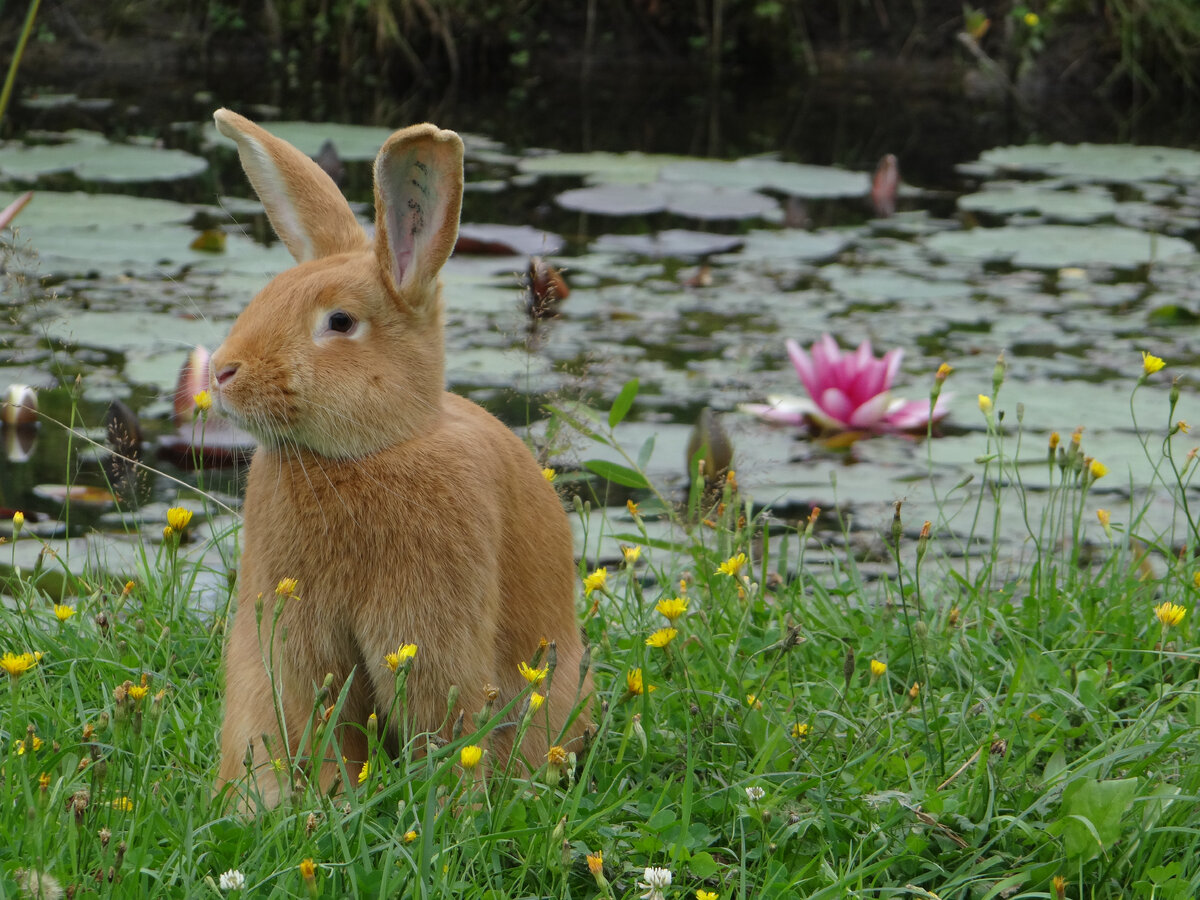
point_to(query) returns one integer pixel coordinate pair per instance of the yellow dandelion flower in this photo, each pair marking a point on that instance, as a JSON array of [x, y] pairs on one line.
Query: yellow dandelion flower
[[673, 608], [308, 870], [1151, 363], [178, 517], [1032, 20], [470, 756], [878, 668], [532, 675], [944, 371], [800, 731], [661, 638], [549, 474], [123, 804], [535, 701], [203, 401], [985, 404], [286, 587], [632, 507], [635, 684], [706, 895], [17, 664], [62, 612], [20, 747], [753, 702], [18, 520], [138, 691], [1060, 886], [556, 756], [1098, 469], [1105, 517], [364, 772], [409, 836], [1183, 426], [595, 863], [631, 554], [1169, 614], [595, 581], [733, 565], [403, 654], [44, 781]]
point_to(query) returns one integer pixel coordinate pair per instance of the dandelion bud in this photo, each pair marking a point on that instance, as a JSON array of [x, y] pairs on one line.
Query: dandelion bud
[[943, 372], [812, 521], [1060, 887], [897, 527], [952, 617], [923, 541], [985, 404], [585, 662], [998, 373], [848, 665], [921, 629], [1173, 396], [456, 731], [915, 691], [1020, 413], [640, 733], [551, 658], [452, 697], [1105, 521], [18, 522], [372, 729]]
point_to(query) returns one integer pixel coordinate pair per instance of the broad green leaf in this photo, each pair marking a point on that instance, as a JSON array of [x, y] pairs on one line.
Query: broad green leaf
[[621, 406], [617, 474], [1092, 812], [703, 865]]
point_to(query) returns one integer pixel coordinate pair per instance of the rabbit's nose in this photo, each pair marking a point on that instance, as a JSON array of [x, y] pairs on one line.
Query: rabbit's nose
[[226, 373]]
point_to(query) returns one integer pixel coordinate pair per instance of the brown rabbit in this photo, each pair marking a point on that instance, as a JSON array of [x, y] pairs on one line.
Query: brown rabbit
[[406, 514]]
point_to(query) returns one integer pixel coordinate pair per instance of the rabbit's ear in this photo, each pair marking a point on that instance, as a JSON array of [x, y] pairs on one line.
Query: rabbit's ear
[[418, 196], [305, 207]]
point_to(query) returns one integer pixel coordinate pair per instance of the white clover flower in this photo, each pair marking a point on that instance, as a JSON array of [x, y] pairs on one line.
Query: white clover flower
[[233, 880], [656, 880], [754, 794]]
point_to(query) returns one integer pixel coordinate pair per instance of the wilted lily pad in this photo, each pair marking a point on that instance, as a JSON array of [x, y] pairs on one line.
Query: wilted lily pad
[[674, 242], [1115, 163], [1074, 207], [695, 201], [75, 493], [93, 158], [1056, 246]]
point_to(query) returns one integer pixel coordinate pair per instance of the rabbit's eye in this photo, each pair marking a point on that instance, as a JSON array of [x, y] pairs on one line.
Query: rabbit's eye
[[341, 322]]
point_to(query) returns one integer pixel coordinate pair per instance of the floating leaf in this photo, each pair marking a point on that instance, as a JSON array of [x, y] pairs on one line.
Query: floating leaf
[[696, 201], [92, 158], [1110, 163], [500, 240], [1075, 207], [211, 240], [1057, 246], [674, 242], [755, 173]]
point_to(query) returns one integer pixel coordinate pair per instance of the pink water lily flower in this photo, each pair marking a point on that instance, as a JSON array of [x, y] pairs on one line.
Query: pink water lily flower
[[849, 391]]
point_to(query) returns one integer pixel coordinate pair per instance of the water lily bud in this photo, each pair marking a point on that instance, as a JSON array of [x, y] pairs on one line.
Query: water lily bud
[[20, 406]]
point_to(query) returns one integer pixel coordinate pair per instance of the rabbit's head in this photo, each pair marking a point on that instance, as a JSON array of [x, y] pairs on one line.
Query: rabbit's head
[[343, 353]]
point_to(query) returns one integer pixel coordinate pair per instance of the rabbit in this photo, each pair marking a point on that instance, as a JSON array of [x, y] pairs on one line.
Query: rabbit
[[406, 514]]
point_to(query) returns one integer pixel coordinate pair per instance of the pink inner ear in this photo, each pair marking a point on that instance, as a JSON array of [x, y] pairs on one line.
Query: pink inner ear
[[406, 188]]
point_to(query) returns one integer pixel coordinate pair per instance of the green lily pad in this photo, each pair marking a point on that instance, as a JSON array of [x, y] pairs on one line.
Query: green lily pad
[[91, 157], [674, 242], [791, 246], [600, 168], [754, 173], [696, 201], [353, 142], [1111, 163], [1072, 207], [141, 330], [54, 209], [1056, 246]]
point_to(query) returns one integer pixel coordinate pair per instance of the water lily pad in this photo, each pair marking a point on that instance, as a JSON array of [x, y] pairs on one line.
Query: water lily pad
[[51, 209], [353, 142], [1056, 246], [1073, 207], [697, 201], [131, 330], [1112, 163], [93, 158], [507, 239], [600, 168], [791, 245], [755, 173], [674, 242]]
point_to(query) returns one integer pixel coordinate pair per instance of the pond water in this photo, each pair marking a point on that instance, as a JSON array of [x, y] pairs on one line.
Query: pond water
[[686, 271]]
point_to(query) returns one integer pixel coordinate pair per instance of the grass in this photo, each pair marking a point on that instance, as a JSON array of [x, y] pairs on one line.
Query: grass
[[962, 726]]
